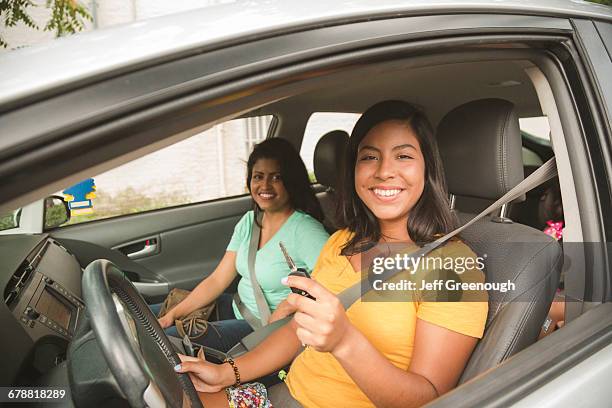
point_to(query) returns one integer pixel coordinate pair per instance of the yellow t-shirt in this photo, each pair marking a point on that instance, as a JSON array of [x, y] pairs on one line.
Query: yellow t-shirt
[[318, 380]]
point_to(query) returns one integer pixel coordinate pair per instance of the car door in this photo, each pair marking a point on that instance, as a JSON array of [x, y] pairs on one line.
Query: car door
[[571, 366]]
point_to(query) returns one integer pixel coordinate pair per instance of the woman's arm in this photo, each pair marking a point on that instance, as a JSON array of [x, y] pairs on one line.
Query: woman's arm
[[278, 350], [206, 291], [283, 310], [438, 358]]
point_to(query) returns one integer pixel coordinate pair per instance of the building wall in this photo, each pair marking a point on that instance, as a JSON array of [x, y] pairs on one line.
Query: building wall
[[203, 167]]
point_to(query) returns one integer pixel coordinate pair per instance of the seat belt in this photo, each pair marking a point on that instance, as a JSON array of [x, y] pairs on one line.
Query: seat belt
[[350, 295], [262, 304]]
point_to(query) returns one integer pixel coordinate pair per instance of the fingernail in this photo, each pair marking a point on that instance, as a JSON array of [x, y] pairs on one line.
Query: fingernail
[[177, 367], [284, 280]]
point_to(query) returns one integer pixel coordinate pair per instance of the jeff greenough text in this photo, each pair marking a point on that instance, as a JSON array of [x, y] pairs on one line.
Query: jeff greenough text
[[443, 284]]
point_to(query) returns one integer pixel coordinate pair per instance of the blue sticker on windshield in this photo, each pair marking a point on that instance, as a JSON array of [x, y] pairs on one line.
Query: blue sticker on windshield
[[79, 197]]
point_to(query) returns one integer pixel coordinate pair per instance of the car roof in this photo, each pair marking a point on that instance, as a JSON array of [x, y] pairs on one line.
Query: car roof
[[112, 50]]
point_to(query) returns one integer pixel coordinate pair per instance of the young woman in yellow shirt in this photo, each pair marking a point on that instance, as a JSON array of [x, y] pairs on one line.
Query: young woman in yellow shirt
[[387, 353]]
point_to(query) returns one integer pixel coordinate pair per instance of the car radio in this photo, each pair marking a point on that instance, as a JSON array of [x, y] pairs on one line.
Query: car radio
[[53, 307], [41, 294]]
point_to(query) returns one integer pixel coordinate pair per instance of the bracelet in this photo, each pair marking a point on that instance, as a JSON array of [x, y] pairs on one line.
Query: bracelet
[[231, 362]]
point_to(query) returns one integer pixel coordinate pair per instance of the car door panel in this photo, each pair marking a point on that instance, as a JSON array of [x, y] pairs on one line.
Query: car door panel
[[564, 353], [190, 253], [586, 384], [190, 241], [605, 32]]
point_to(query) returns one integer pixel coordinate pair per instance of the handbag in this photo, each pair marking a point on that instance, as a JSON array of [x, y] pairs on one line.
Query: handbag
[[195, 324]]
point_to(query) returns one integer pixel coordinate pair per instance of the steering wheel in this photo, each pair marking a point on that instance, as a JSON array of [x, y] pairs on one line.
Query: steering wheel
[[137, 352]]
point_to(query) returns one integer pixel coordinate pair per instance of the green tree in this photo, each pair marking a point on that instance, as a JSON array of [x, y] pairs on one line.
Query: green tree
[[67, 16], [605, 2]]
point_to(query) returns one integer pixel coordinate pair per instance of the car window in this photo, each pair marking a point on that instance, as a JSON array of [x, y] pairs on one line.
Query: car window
[[207, 166], [319, 124], [537, 130], [537, 127]]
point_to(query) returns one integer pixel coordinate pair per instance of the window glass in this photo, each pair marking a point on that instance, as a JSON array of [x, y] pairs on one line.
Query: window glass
[[207, 166], [319, 124], [537, 130], [537, 127]]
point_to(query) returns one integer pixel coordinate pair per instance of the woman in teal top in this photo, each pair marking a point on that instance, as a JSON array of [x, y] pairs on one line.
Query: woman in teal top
[[278, 182]]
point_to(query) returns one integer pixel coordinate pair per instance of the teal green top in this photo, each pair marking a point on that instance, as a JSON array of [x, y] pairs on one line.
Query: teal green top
[[302, 235]]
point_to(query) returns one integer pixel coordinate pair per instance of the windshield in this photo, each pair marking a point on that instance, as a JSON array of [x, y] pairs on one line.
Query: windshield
[[10, 220]]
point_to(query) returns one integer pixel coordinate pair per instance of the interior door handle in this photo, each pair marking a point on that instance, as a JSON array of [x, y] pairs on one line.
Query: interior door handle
[[140, 248], [150, 248]]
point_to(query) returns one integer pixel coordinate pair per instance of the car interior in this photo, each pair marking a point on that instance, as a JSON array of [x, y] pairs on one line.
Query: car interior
[[474, 98]]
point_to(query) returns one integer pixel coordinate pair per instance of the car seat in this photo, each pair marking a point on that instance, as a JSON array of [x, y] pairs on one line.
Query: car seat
[[480, 145], [328, 157]]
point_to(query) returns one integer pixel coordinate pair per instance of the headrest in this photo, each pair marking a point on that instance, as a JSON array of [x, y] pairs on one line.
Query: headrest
[[328, 157], [480, 145]]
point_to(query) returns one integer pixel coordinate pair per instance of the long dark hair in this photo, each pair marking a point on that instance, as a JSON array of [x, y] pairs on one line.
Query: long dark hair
[[293, 174], [431, 215]]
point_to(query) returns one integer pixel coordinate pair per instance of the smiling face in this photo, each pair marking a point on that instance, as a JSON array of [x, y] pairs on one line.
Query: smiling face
[[390, 172], [267, 188]]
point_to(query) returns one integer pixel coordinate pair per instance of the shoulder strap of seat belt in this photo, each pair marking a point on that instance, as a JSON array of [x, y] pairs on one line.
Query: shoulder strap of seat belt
[[246, 313], [350, 295], [262, 304]]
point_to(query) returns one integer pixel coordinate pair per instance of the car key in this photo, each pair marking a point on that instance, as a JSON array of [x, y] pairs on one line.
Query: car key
[[295, 271]]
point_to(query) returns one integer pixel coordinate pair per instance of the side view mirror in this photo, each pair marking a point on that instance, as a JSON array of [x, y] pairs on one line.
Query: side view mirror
[[10, 220], [56, 212]]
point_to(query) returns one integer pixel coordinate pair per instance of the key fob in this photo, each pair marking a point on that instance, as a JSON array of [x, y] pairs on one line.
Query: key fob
[[301, 272]]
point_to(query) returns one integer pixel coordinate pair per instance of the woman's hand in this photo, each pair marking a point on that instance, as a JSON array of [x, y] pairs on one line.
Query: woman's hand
[[205, 376], [322, 324], [167, 320], [283, 310]]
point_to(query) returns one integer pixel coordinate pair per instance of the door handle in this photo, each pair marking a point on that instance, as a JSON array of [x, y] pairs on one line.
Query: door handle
[[150, 248], [141, 248]]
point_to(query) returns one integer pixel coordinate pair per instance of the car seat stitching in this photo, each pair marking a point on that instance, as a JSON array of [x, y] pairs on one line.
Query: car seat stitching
[[519, 329], [504, 145], [510, 347], [511, 340], [505, 301]]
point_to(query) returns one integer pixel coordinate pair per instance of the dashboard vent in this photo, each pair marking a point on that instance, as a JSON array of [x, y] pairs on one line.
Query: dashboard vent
[[17, 282]]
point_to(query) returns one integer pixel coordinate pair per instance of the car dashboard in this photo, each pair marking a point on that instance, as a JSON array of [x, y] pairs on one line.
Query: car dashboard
[[41, 283]]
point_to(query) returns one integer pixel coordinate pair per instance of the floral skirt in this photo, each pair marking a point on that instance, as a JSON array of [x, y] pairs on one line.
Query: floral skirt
[[251, 395]]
